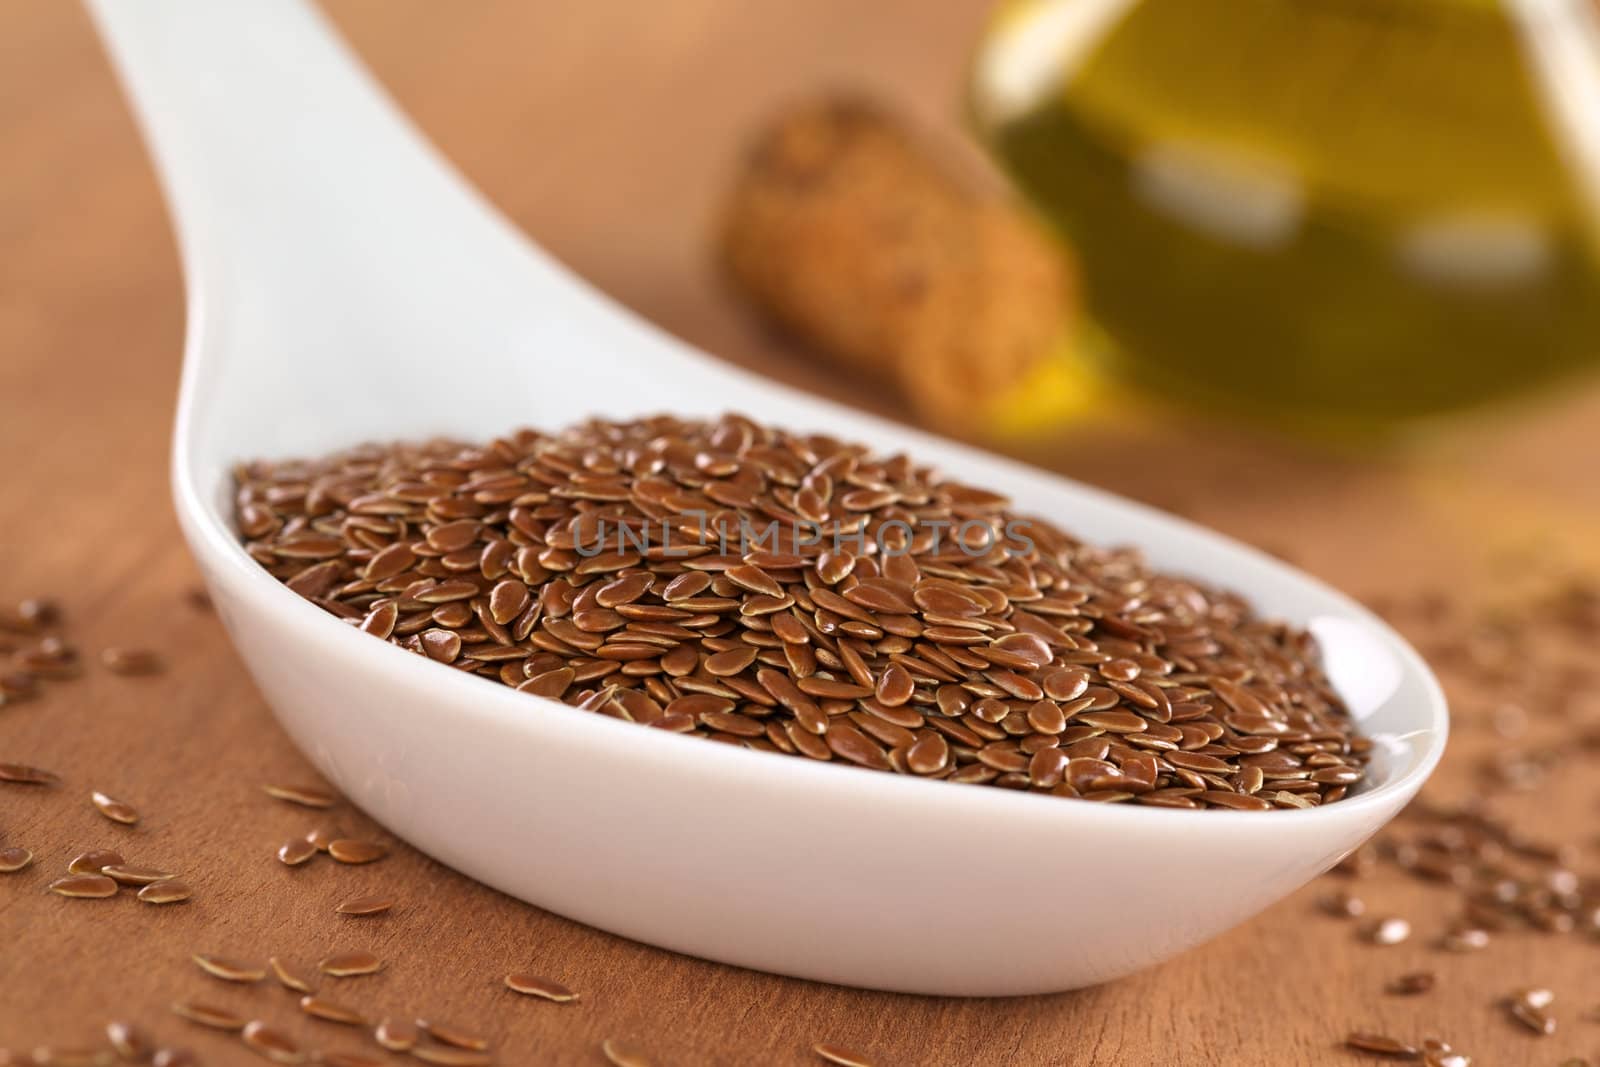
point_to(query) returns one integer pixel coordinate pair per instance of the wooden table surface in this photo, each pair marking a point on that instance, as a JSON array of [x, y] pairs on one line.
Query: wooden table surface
[[607, 130]]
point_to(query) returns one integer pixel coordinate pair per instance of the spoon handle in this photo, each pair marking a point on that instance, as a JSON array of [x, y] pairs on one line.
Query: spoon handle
[[266, 129]]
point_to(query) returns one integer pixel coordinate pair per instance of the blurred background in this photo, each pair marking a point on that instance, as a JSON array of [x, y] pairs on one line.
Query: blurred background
[[1311, 240], [1258, 262], [1312, 258]]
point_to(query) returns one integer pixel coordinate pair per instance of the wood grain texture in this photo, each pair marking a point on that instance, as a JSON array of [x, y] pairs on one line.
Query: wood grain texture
[[607, 130]]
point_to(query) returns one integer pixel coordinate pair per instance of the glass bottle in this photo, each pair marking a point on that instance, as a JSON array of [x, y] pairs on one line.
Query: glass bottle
[[1337, 210]]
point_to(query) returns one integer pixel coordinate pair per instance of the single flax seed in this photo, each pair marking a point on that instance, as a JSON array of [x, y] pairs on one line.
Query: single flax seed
[[453, 1035], [307, 796], [265, 1040], [450, 1056], [23, 774], [397, 1035], [295, 851], [167, 891], [113, 809], [228, 970], [131, 661], [838, 1054], [350, 964], [363, 906], [287, 975], [322, 1008], [94, 861], [353, 851], [208, 1015], [131, 874], [87, 886], [535, 986], [623, 1054]]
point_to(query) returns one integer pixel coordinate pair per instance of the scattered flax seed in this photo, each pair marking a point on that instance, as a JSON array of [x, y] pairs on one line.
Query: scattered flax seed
[[450, 1056], [1382, 1045], [228, 970], [208, 1015], [129, 874], [535, 986], [842, 1056], [129, 1041], [453, 1035], [14, 859], [91, 886], [322, 1008], [166, 891], [287, 976], [94, 861], [114, 809], [295, 851], [174, 1057], [275, 1045], [397, 1035], [1342, 904], [131, 661], [307, 796], [622, 1054], [350, 965], [22, 774], [354, 851], [1388, 931], [361, 906], [1411, 984]]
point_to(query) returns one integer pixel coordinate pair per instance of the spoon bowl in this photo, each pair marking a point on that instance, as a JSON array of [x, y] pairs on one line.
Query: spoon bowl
[[345, 285]]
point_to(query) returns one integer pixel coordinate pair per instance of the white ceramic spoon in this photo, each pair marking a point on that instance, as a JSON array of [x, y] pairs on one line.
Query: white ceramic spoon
[[344, 284]]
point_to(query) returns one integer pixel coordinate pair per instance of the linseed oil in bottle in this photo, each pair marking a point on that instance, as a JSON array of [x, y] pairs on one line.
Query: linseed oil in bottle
[[1347, 211]]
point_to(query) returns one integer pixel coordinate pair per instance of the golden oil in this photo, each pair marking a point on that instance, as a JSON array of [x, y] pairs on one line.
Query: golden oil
[[1329, 210]]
